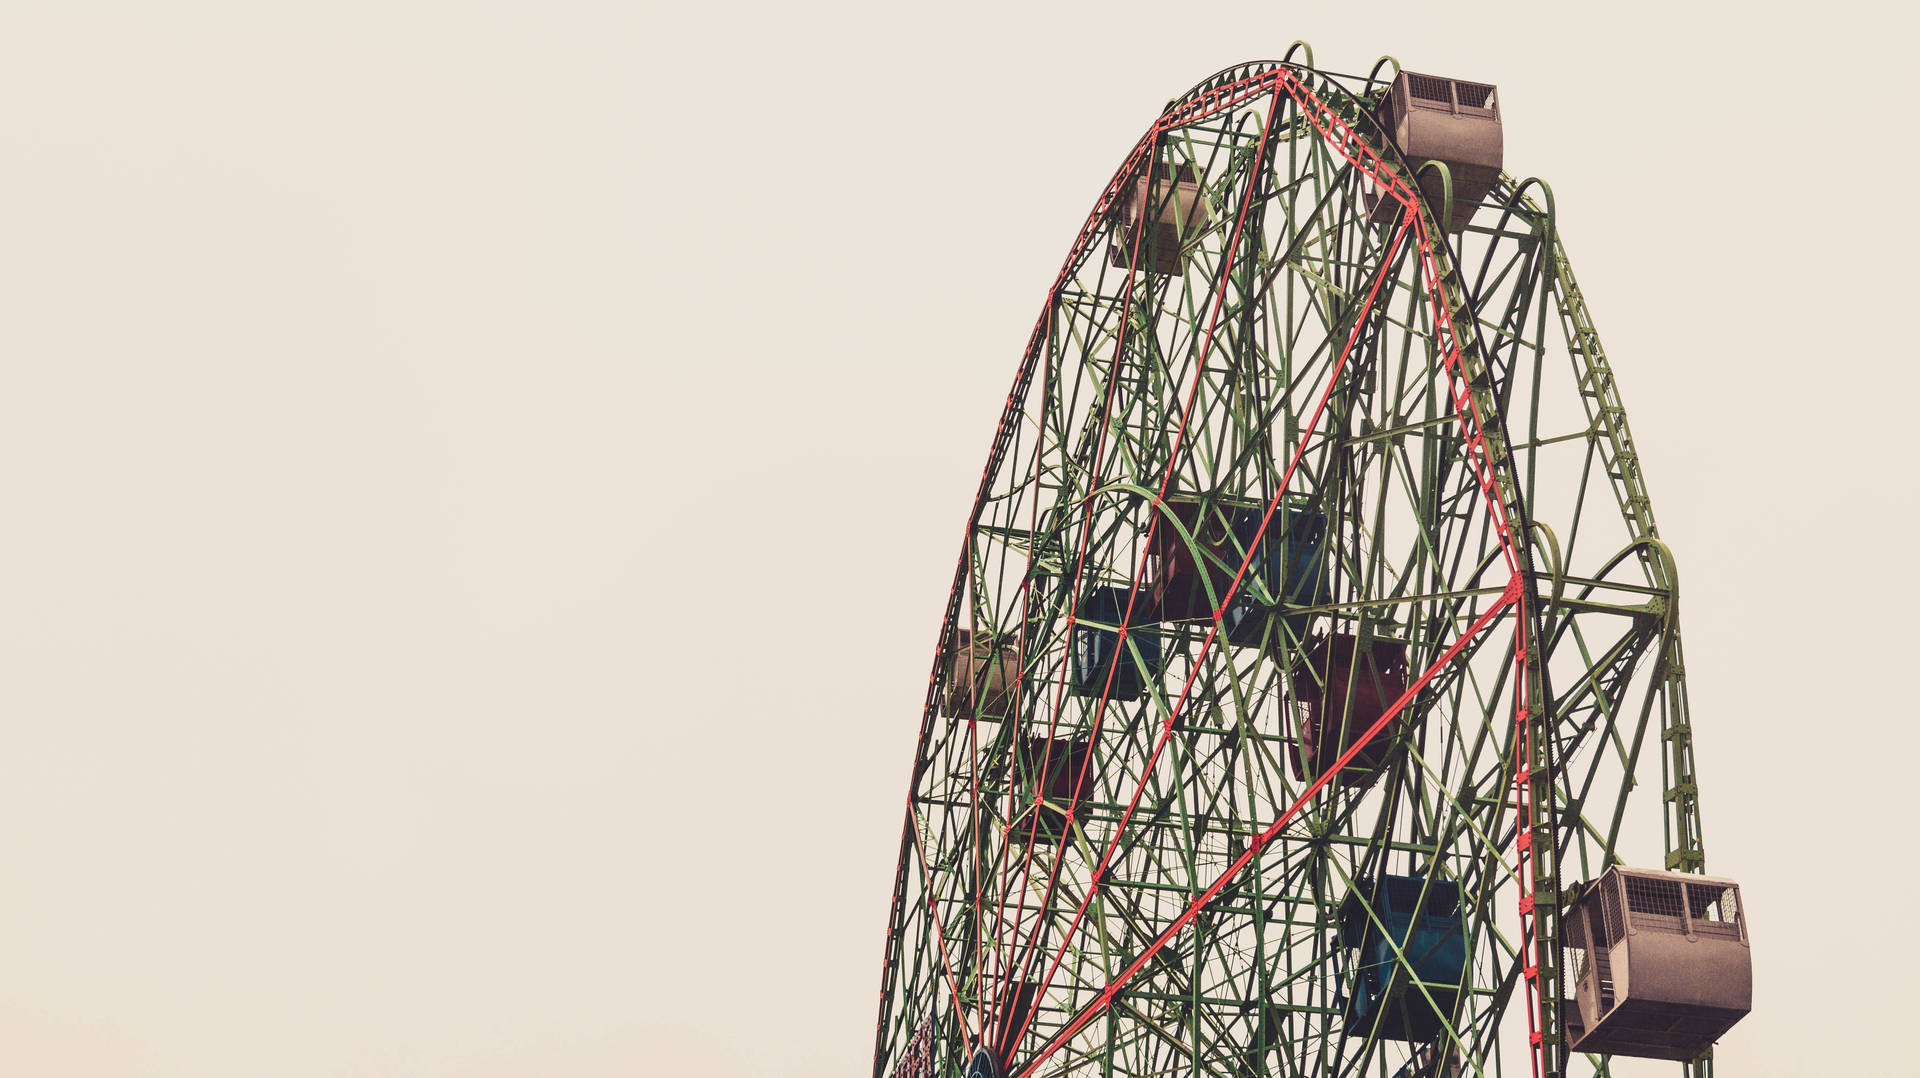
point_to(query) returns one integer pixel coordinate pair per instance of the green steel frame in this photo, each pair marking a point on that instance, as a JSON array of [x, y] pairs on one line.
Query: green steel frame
[[1443, 401]]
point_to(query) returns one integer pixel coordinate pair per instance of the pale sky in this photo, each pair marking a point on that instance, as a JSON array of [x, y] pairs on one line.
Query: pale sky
[[479, 482]]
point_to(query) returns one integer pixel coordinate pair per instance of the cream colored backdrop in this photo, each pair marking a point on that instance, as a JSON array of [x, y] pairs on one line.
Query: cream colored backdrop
[[478, 481]]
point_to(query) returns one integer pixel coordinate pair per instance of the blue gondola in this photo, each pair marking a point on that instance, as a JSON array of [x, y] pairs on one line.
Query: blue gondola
[[1095, 648], [1434, 945], [1292, 564]]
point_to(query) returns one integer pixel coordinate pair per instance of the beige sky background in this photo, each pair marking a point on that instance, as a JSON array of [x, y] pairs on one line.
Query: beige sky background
[[478, 482]]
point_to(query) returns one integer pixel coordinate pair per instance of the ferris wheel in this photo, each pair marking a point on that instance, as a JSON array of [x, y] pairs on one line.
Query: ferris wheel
[[1312, 672]]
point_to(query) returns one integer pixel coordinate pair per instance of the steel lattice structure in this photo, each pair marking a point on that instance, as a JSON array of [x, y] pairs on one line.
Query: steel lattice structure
[[1146, 867]]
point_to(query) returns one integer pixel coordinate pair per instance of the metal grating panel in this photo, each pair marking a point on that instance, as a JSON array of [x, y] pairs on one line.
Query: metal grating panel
[[1574, 940], [1655, 905], [1658, 897], [1716, 903], [1428, 88], [1616, 925], [1608, 923], [1474, 95]]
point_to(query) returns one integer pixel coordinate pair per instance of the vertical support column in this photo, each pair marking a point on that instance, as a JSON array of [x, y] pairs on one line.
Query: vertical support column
[[1685, 851], [1543, 869], [1535, 811], [1599, 395]]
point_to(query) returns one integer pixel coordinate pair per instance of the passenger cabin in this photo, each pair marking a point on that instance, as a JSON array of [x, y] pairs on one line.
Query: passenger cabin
[[1288, 566], [1289, 570], [1185, 583], [1160, 214], [1339, 693], [1661, 965], [1097, 645], [1414, 934], [1455, 122], [983, 680], [1050, 768]]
